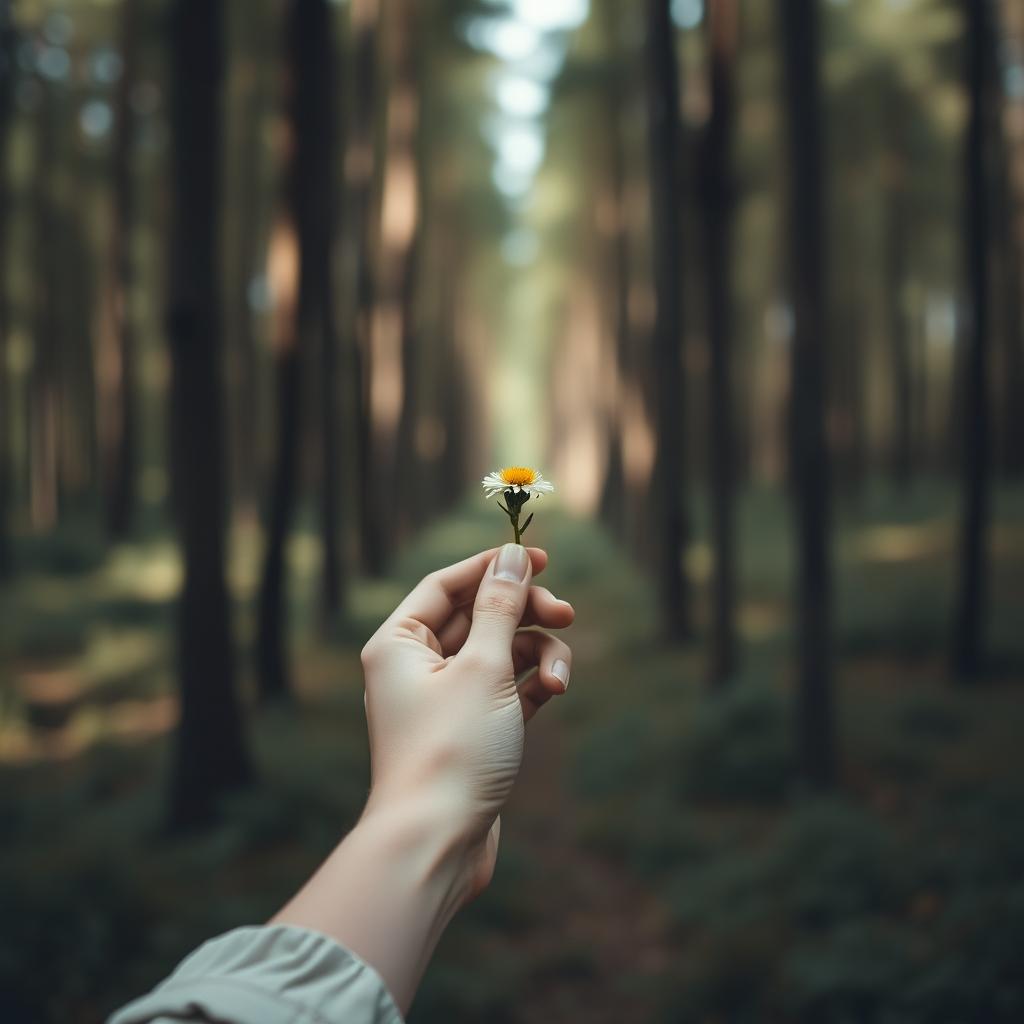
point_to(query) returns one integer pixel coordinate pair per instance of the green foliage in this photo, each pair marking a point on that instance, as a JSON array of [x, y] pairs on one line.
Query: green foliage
[[67, 551], [740, 746]]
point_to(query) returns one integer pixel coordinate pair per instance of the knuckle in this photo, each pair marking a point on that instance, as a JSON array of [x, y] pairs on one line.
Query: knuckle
[[368, 655], [499, 604]]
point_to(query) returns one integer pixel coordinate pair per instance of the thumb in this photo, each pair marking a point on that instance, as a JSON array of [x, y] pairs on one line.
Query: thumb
[[500, 602]]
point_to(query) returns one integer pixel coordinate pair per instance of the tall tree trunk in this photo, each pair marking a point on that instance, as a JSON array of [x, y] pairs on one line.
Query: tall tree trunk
[[211, 755], [321, 229], [118, 413], [364, 175], [669, 482], [7, 48], [1006, 219], [614, 499], [717, 191], [248, 240], [895, 260], [44, 431], [301, 251], [971, 593], [401, 224], [809, 468]]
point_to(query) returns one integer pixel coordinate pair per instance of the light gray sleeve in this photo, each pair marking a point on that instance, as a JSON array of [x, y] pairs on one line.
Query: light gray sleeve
[[274, 974]]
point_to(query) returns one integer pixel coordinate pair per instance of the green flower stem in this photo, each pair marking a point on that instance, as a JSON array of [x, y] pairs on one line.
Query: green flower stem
[[513, 504]]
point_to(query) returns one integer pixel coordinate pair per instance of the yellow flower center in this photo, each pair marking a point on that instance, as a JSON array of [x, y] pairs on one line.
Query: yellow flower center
[[520, 475]]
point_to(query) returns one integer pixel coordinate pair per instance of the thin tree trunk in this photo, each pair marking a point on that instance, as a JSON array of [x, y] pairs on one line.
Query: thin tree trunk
[[722, 24], [248, 231], [119, 455], [669, 483], [7, 46], [971, 593], [211, 755], [304, 233], [322, 227], [363, 175], [809, 468], [614, 500], [399, 270], [1007, 227], [46, 409], [895, 257]]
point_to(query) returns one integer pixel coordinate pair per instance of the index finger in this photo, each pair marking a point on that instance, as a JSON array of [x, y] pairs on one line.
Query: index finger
[[434, 599]]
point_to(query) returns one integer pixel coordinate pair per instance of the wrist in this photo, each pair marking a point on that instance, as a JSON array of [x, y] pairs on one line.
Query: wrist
[[388, 891], [426, 834]]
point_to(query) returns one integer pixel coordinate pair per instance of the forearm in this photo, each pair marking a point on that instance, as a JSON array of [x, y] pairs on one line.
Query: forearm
[[388, 891]]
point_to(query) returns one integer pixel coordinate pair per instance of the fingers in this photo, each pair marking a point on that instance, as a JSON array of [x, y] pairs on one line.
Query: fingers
[[436, 596], [542, 609], [499, 605], [553, 659]]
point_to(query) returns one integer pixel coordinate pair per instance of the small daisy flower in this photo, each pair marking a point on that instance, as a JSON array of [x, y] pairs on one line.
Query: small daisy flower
[[517, 484], [517, 479]]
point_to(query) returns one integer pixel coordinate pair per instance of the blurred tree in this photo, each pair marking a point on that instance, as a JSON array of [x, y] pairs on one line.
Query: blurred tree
[[406, 235], [8, 39], [211, 755], [321, 232], [1006, 214], [46, 414], [809, 462], [894, 256], [118, 426], [396, 338], [669, 491], [300, 274], [971, 595], [717, 190], [254, 52], [364, 174]]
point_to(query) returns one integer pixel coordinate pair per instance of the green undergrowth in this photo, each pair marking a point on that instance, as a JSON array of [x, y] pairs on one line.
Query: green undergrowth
[[895, 899]]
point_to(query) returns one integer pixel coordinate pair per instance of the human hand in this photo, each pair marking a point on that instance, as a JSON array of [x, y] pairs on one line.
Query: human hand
[[445, 715]]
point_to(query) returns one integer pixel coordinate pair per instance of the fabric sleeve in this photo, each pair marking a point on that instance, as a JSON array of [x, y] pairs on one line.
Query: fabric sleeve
[[274, 974]]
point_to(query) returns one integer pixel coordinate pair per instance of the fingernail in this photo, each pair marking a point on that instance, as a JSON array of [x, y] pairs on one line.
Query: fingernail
[[561, 672], [512, 563]]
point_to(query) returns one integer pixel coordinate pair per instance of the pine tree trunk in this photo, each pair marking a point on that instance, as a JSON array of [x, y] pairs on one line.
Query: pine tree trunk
[[248, 234], [895, 258], [717, 222], [809, 467], [669, 483], [321, 214], [301, 315], [971, 593], [211, 755], [119, 454], [7, 48]]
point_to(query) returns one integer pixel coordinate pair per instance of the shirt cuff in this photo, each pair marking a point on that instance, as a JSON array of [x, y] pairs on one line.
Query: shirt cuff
[[270, 974]]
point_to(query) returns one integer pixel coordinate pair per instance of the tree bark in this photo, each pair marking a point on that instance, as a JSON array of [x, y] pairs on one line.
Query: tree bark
[[722, 23], [210, 755], [809, 468], [895, 257], [364, 174], [248, 230], [321, 228], [7, 49], [971, 593], [669, 482], [119, 437], [305, 233]]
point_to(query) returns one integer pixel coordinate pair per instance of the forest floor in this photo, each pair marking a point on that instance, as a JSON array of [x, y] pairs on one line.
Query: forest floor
[[659, 860]]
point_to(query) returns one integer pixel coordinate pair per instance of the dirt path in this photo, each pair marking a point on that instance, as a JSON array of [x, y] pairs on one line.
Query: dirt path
[[605, 935]]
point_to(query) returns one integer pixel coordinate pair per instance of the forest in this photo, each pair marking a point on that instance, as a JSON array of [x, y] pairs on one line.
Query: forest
[[282, 280]]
